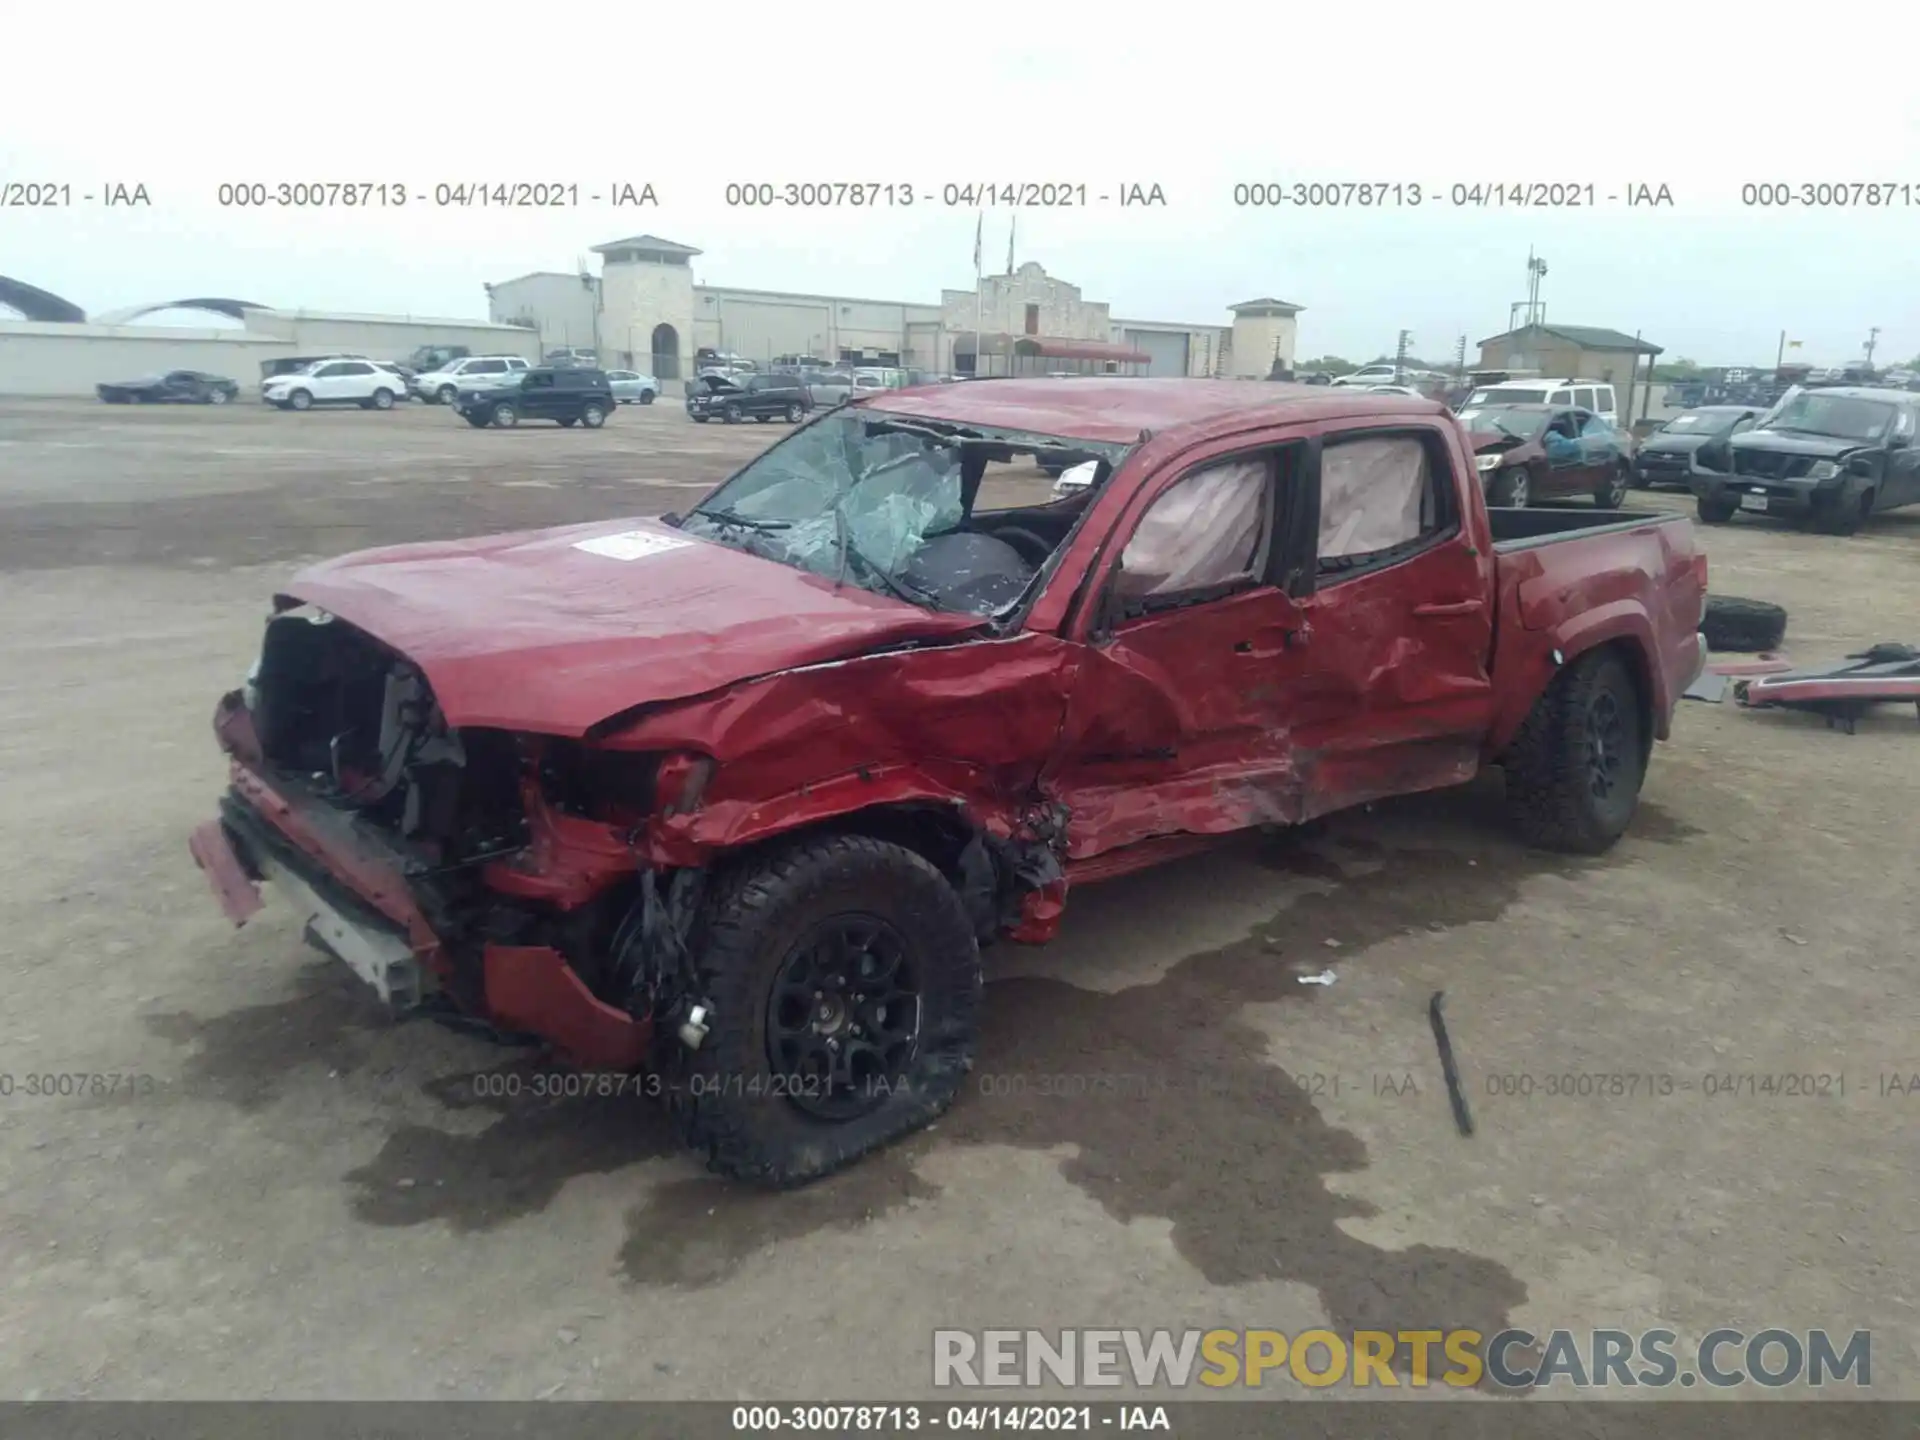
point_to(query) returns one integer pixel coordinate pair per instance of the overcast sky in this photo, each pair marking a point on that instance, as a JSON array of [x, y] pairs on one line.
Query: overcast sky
[[691, 97]]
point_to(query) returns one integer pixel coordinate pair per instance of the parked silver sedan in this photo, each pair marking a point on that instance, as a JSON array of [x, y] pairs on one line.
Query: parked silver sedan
[[630, 387], [828, 387]]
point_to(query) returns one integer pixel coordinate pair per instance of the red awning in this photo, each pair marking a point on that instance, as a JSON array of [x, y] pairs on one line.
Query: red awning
[[1077, 350]]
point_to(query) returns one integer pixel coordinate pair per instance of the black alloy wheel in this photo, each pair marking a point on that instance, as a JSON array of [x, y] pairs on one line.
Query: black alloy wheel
[[843, 1019]]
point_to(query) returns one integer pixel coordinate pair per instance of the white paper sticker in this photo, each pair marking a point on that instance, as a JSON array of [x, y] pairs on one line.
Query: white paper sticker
[[631, 545]]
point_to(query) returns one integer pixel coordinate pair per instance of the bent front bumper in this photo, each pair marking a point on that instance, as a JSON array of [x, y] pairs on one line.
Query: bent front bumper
[[354, 894]]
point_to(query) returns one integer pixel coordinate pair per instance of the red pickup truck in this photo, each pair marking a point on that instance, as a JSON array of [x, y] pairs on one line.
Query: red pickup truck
[[732, 799]]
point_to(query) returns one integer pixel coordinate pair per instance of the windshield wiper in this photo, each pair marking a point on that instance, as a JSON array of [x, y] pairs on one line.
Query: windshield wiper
[[745, 522], [901, 588]]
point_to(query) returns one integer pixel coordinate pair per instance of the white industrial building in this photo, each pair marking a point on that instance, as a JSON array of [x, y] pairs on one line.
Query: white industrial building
[[69, 355], [645, 311]]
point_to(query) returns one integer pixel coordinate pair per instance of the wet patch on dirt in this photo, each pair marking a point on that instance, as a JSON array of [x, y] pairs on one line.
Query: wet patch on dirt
[[1164, 1097], [1172, 1109], [251, 1056], [696, 1232], [552, 1126]]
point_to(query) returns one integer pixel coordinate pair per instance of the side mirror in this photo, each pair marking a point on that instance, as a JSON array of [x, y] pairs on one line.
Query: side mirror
[[1861, 465], [1898, 442]]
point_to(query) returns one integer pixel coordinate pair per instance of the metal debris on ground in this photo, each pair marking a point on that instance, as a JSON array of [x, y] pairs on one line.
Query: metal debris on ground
[[1325, 977], [1710, 687], [1886, 672], [1457, 1097]]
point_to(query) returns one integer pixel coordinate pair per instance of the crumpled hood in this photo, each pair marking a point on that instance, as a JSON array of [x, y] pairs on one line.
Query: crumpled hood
[[1791, 442], [1679, 442], [554, 631], [1486, 441]]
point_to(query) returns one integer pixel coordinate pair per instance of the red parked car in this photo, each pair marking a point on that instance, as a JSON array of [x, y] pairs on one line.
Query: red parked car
[[737, 796]]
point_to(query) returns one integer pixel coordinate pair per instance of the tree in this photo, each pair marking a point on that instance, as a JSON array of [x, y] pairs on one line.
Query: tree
[[1331, 364]]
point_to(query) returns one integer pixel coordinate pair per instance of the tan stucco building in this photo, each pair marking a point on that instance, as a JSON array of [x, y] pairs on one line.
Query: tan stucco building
[[644, 311], [1265, 333], [1586, 352]]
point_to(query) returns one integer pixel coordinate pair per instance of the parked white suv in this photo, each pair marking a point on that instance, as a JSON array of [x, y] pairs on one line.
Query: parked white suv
[[1594, 396], [476, 372], [336, 382]]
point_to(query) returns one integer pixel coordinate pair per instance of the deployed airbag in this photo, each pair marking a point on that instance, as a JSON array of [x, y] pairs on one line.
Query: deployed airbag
[[965, 571]]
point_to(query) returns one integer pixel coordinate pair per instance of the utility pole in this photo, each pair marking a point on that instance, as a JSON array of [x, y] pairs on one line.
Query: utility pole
[[1404, 344], [1460, 360], [1873, 343]]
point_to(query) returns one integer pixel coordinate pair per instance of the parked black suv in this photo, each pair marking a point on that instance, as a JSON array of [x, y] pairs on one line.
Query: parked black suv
[[563, 393], [756, 397], [1831, 455]]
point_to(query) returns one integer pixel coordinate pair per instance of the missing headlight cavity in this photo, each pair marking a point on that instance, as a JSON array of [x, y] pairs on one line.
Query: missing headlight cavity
[[356, 725]]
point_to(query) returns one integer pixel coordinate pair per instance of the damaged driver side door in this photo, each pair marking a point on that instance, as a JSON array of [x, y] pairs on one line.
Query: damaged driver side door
[[1179, 717]]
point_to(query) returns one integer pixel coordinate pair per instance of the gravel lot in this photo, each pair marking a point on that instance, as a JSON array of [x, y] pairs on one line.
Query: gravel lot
[[286, 1196]]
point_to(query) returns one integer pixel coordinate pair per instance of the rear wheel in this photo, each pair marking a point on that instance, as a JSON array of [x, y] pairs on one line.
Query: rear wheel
[[646, 397], [844, 981], [1716, 509], [593, 416], [1611, 492], [217, 397], [1510, 488], [1574, 771], [793, 414]]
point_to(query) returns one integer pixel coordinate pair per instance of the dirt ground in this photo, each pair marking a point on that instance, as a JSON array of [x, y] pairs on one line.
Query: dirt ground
[[286, 1196]]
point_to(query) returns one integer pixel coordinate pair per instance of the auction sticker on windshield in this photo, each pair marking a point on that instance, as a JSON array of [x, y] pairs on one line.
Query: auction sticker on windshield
[[631, 545]]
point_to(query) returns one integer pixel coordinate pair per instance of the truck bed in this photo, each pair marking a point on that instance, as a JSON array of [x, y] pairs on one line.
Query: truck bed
[[1525, 529], [1571, 579]]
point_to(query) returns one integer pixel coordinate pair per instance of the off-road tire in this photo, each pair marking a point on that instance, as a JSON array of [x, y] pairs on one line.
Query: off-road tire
[[1551, 792], [1715, 511], [1511, 488], [752, 919], [1731, 623], [1845, 517]]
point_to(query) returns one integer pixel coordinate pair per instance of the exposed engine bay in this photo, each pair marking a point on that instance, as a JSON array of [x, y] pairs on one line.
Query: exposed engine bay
[[344, 720]]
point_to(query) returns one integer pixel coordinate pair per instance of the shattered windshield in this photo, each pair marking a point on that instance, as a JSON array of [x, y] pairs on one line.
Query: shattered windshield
[[886, 503], [1843, 417]]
